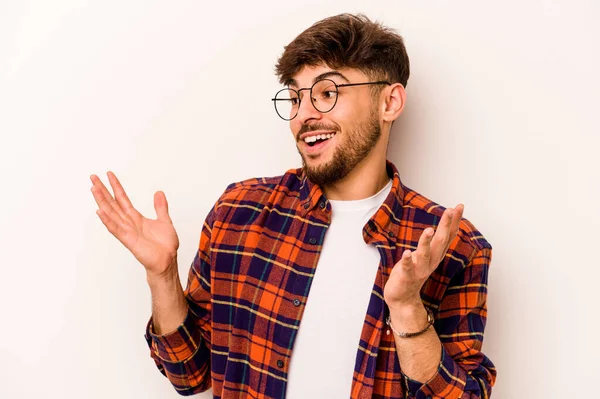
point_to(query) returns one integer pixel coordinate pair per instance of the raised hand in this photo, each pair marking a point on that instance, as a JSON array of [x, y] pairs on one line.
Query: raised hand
[[154, 243], [414, 268]]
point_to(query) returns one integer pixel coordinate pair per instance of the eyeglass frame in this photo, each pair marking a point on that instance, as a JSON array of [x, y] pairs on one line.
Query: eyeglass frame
[[337, 86]]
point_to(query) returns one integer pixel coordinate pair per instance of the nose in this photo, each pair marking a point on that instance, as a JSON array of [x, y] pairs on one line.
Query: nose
[[307, 110]]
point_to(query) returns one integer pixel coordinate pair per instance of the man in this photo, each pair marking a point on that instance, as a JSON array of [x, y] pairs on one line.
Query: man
[[334, 280]]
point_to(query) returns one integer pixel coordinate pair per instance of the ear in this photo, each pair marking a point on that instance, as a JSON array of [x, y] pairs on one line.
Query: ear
[[394, 100]]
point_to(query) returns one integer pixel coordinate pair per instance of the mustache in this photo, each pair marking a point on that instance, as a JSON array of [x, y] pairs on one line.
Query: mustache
[[313, 128]]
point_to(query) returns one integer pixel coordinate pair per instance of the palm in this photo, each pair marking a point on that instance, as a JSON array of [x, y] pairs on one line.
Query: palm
[[153, 242]]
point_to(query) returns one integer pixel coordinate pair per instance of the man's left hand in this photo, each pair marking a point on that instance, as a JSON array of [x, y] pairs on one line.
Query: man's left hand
[[414, 268]]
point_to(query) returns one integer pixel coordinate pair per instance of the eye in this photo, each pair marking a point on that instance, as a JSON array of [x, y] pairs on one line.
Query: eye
[[327, 95]]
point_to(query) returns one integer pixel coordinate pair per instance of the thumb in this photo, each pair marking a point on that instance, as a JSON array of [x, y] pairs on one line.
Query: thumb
[[161, 206]]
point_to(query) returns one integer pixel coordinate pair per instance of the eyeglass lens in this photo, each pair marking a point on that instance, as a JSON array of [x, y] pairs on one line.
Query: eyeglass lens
[[323, 96]]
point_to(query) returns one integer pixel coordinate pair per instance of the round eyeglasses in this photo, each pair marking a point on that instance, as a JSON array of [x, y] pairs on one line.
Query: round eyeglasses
[[323, 96]]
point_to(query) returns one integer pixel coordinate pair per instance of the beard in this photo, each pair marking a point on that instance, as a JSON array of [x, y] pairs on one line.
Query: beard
[[359, 142]]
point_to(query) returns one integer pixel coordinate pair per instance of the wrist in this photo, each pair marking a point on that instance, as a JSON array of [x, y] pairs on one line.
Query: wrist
[[409, 316], [169, 276], [406, 307]]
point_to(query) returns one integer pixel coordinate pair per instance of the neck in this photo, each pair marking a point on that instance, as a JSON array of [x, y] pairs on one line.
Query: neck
[[365, 180]]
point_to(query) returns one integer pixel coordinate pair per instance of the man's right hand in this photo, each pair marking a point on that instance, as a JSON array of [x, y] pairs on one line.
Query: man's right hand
[[154, 243]]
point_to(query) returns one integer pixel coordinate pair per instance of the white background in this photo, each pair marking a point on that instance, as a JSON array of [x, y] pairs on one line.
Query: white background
[[175, 96]]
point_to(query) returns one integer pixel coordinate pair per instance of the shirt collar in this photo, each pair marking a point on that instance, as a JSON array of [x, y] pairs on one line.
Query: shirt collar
[[384, 224]]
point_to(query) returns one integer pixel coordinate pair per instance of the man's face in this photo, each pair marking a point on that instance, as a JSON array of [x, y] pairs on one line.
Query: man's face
[[352, 125]]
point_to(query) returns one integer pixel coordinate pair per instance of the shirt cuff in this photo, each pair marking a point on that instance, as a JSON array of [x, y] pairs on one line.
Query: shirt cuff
[[412, 386], [178, 345]]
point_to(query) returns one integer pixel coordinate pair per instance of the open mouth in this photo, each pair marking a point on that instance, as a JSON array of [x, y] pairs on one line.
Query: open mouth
[[317, 140]]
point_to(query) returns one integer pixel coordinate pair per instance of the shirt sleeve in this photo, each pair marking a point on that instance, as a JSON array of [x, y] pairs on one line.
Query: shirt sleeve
[[464, 371], [183, 355]]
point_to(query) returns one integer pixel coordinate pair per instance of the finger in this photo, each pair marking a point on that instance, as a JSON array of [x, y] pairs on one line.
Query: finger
[[103, 205], [120, 194], [112, 199], [110, 224], [105, 201], [406, 262], [440, 239], [96, 189], [454, 226], [458, 212], [423, 253], [443, 228], [161, 206]]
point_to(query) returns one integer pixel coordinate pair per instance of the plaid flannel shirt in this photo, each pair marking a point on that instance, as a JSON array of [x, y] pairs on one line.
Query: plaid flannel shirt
[[251, 276]]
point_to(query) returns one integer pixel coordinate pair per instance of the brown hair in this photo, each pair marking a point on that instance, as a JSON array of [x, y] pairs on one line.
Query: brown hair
[[347, 40]]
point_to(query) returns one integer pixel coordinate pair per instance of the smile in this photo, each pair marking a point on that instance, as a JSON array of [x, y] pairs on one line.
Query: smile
[[318, 139]]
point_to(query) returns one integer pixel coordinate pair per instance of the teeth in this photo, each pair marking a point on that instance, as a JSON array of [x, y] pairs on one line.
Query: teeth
[[312, 139]]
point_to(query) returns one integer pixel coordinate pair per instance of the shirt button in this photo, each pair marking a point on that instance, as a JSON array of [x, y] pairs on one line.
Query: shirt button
[[312, 240], [296, 302], [391, 234], [307, 205], [280, 363], [321, 205]]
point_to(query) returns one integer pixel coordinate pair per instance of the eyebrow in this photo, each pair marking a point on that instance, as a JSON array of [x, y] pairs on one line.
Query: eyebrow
[[325, 75]]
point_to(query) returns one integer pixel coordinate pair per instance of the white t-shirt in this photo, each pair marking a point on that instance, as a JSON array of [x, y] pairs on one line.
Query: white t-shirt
[[324, 352]]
